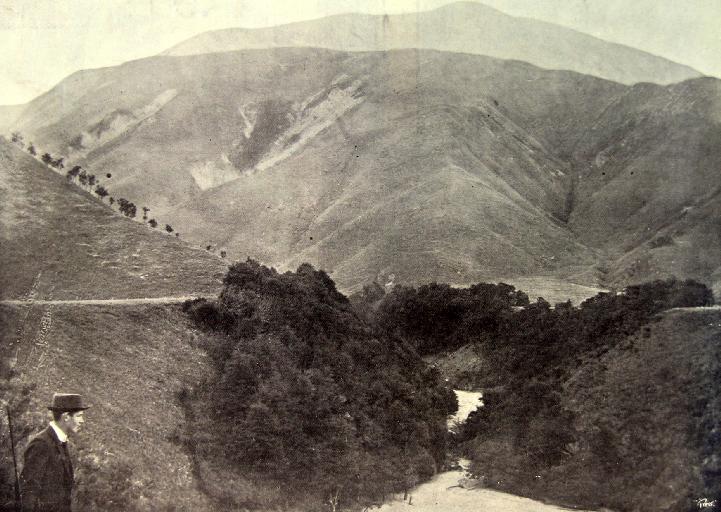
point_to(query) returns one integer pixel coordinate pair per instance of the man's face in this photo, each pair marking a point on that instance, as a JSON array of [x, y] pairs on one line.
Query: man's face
[[73, 422]]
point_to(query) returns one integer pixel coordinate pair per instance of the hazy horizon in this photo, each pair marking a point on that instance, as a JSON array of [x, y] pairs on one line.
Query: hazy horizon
[[47, 41]]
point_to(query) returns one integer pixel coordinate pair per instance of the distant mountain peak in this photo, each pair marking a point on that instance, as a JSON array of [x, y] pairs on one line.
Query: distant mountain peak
[[478, 6], [461, 27]]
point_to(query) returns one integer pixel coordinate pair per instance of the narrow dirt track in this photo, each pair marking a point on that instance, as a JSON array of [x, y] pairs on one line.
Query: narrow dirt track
[[452, 490], [101, 302]]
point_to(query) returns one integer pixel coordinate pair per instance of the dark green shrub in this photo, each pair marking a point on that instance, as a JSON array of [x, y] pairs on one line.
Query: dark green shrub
[[307, 394]]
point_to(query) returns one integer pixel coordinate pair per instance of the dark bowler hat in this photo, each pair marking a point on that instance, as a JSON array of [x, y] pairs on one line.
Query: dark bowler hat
[[67, 402]]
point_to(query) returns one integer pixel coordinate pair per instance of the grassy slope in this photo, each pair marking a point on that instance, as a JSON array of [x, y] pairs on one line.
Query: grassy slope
[[433, 170], [382, 205], [129, 361], [442, 184], [648, 189], [658, 393], [451, 167], [655, 151], [688, 247], [60, 243]]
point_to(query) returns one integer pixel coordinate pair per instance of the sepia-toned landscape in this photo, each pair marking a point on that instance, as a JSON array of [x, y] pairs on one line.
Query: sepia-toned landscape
[[450, 260]]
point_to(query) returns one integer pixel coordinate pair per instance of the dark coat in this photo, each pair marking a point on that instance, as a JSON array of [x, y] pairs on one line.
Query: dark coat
[[46, 481]]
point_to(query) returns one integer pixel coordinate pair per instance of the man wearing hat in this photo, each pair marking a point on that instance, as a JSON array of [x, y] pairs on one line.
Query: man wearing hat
[[46, 481]]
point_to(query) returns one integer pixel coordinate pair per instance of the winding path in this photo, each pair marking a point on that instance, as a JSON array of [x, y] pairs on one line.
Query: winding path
[[101, 302], [454, 490]]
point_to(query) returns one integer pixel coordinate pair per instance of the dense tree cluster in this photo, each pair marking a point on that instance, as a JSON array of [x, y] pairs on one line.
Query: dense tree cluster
[[438, 317], [526, 432], [523, 339], [127, 208], [309, 395]]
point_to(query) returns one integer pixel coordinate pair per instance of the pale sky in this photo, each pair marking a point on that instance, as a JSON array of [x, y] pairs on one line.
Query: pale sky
[[43, 41]]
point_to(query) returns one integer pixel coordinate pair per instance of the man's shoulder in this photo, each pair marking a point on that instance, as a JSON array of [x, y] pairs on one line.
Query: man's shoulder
[[37, 452], [42, 438]]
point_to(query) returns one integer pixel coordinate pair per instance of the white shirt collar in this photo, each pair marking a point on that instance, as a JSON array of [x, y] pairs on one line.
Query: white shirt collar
[[58, 432]]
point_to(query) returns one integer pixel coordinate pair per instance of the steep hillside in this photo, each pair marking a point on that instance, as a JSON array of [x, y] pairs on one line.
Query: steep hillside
[[398, 163], [57, 242], [648, 182], [413, 165], [689, 246], [652, 155], [647, 416], [129, 362], [466, 27]]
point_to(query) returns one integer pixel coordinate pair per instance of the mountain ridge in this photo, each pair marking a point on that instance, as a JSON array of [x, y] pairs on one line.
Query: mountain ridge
[[420, 164], [467, 27]]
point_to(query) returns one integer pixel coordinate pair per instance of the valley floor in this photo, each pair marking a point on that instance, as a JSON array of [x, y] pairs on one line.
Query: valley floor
[[453, 490]]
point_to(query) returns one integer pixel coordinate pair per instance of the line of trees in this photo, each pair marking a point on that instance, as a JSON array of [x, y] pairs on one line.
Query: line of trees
[[81, 177], [85, 180], [49, 160]]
